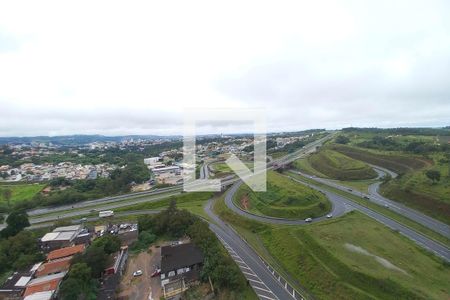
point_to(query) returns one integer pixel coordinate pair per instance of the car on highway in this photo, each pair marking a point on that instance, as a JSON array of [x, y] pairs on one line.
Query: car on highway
[[308, 220], [366, 197], [329, 216], [386, 205], [83, 219], [137, 273], [350, 190]]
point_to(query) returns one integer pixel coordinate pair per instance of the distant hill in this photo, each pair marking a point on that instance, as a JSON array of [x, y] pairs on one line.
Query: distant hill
[[79, 139]]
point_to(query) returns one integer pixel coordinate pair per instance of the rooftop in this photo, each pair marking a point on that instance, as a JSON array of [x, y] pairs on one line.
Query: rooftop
[[67, 228], [44, 284], [65, 252], [47, 295], [180, 256], [54, 266]]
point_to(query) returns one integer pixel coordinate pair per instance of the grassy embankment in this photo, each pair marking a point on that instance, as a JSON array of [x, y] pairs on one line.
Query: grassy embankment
[[412, 187], [352, 257], [19, 193], [304, 165], [221, 169], [380, 209], [283, 198], [339, 166]]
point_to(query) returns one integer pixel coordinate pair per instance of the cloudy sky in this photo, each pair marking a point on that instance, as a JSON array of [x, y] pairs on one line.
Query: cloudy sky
[[133, 68]]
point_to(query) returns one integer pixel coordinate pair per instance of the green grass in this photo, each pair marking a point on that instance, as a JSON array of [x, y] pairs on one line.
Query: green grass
[[21, 192], [414, 189], [339, 166], [358, 185], [221, 169], [315, 256], [399, 163], [303, 164], [382, 210], [276, 155], [283, 198]]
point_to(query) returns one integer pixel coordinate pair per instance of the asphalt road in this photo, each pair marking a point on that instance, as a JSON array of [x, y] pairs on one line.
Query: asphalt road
[[376, 198], [340, 206], [266, 284]]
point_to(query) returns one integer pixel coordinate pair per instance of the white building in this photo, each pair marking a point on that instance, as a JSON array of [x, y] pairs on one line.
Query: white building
[[151, 160]]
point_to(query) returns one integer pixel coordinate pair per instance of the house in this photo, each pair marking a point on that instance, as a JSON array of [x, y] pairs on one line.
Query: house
[[54, 267], [48, 295], [180, 266], [15, 285], [60, 237], [65, 252], [49, 283]]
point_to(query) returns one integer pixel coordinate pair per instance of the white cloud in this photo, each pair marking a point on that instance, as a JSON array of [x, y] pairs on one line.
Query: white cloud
[[113, 67]]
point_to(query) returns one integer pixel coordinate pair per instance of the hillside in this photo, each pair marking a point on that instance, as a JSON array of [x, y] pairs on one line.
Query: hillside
[[397, 163], [283, 198], [339, 166]]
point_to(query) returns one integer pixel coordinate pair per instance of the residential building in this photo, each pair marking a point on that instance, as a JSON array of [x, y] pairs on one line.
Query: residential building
[[180, 267]]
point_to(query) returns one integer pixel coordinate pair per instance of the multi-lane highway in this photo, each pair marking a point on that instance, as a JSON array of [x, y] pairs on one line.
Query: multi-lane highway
[[340, 206], [376, 198], [266, 283]]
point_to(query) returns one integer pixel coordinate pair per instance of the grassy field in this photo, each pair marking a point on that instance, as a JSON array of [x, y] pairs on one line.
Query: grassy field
[[304, 165], [380, 209], [417, 191], [326, 260], [221, 169], [339, 166], [354, 257], [283, 198], [396, 162], [20, 192]]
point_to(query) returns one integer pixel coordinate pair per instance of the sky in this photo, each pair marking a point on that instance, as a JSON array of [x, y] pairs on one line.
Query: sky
[[114, 68]]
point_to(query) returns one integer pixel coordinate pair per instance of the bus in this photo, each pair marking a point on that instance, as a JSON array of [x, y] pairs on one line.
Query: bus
[[106, 213]]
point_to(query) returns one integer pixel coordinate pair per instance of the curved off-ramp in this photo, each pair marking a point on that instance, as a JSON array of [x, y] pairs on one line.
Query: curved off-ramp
[[339, 208]]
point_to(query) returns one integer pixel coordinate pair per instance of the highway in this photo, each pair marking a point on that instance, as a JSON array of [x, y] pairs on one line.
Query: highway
[[376, 198], [266, 283], [338, 209], [340, 206]]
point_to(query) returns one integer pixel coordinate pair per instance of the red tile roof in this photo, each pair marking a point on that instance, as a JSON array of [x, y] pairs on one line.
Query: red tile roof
[[54, 266], [43, 284], [65, 252]]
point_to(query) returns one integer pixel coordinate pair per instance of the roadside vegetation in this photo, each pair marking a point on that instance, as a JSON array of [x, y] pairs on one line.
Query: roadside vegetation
[[12, 194], [218, 266], [351, 257], [283, 199], [339, 166], [421, 157]]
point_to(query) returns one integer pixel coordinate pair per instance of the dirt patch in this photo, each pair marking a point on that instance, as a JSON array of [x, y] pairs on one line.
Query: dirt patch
[[245, 202], [382, 261], [143, 287]]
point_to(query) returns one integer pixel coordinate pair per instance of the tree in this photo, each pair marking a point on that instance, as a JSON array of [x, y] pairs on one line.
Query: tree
[[81, 272], [70, 289], [96, 258], [434, 175], [109, 242], [342, 139], [7, 194], [17, 221]]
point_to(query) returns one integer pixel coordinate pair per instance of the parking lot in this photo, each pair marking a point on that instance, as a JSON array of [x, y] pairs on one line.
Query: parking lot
[[141, 287]]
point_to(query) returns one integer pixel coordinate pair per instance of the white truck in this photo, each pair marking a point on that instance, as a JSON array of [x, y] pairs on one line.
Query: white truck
[[105, 213]]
